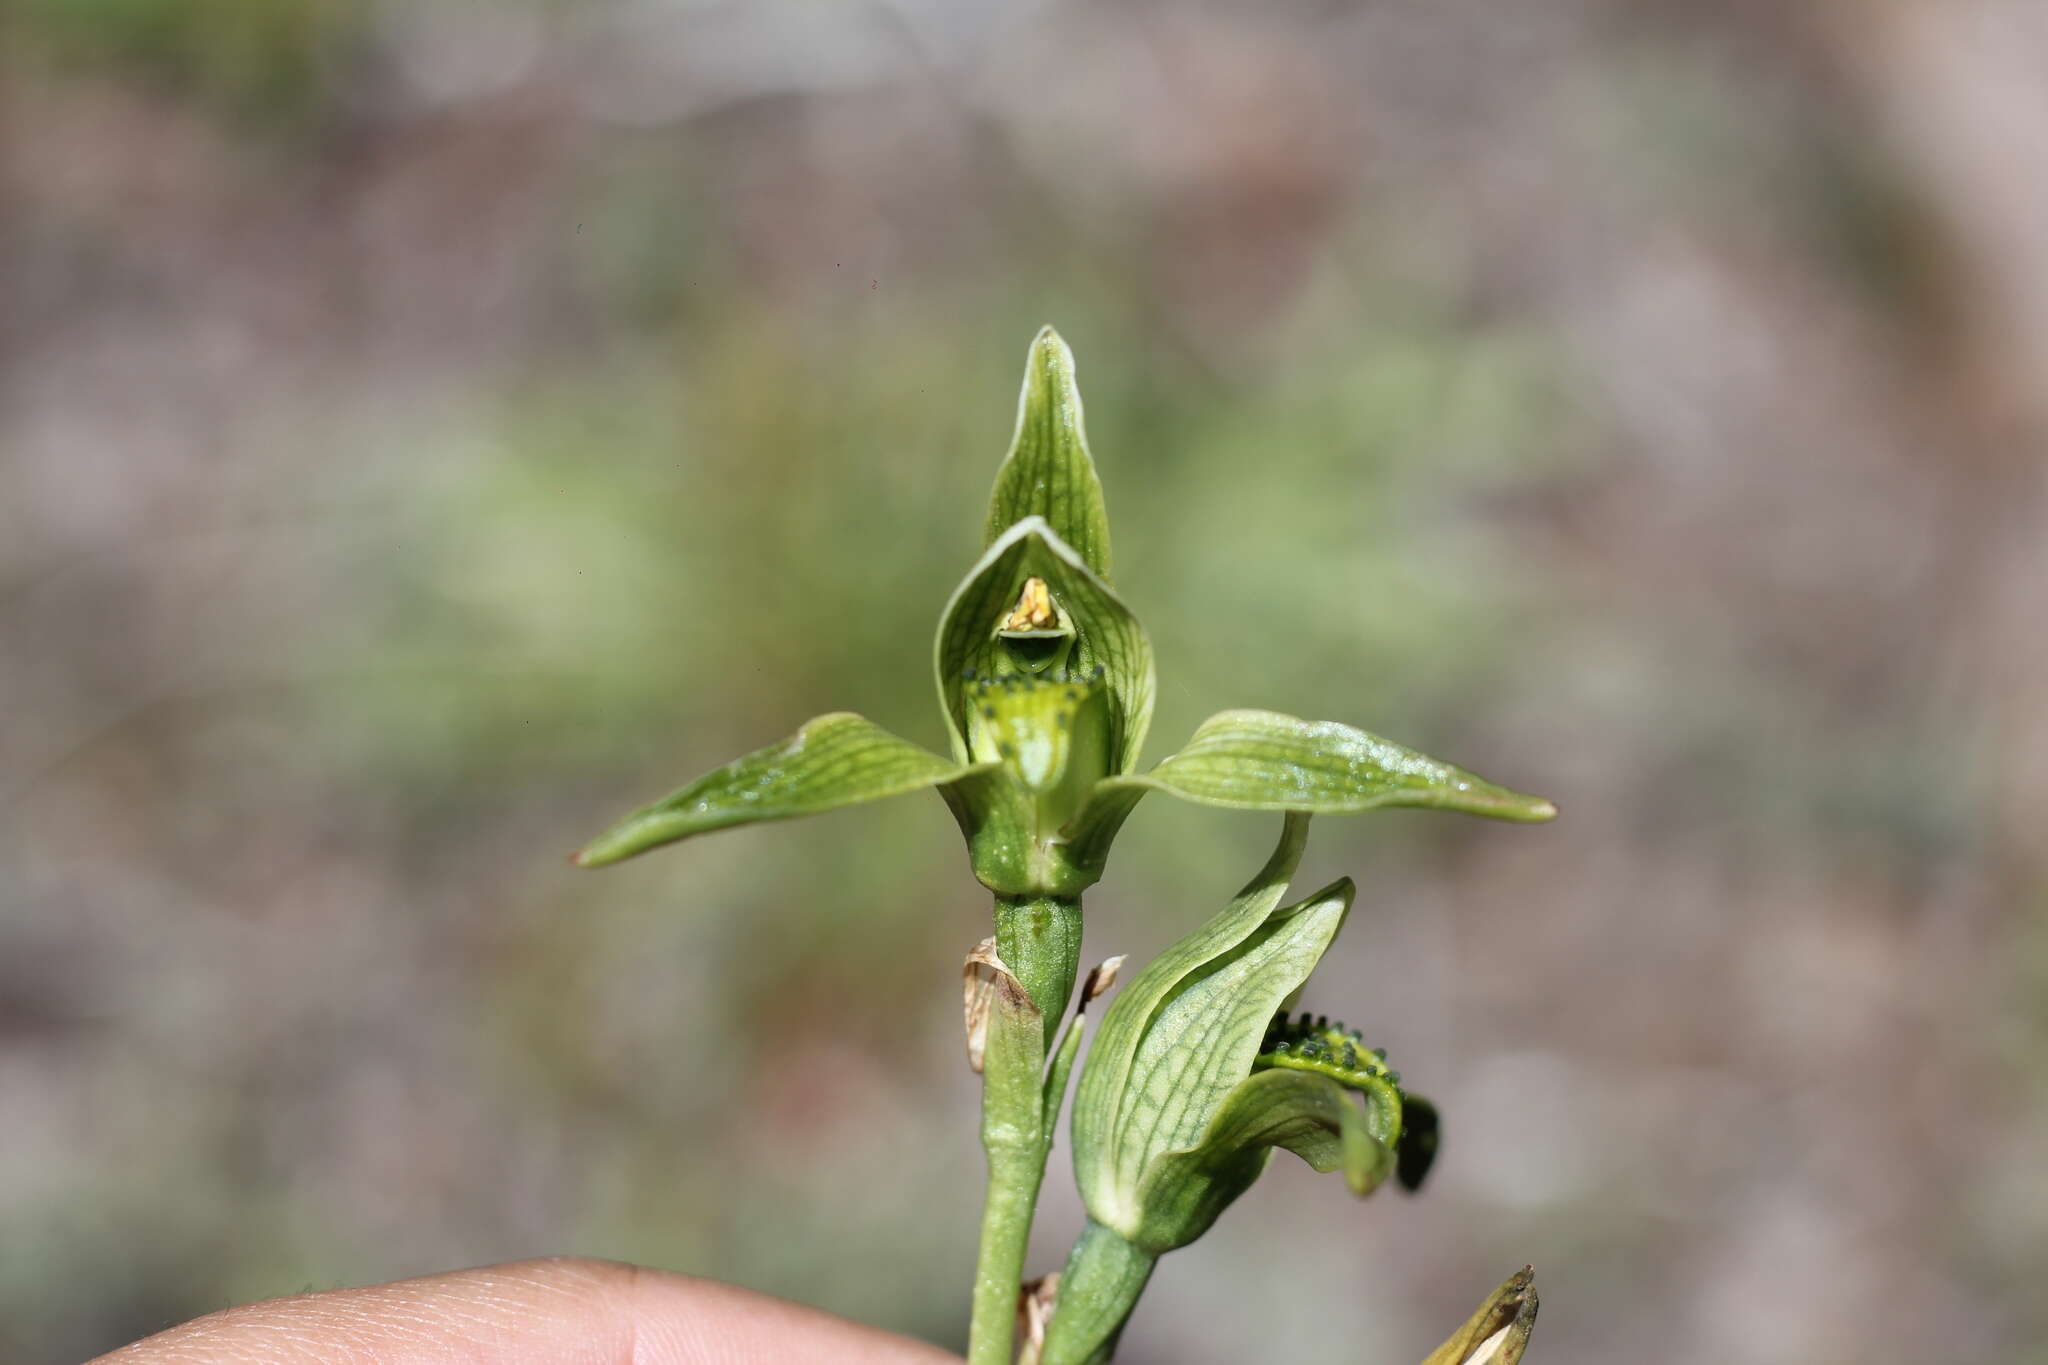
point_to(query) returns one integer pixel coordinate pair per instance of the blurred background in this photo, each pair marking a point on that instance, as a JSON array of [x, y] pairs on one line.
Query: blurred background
[[430, 428]]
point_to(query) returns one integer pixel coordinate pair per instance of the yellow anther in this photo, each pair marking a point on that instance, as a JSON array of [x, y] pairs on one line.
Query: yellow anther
[[1034, 609]]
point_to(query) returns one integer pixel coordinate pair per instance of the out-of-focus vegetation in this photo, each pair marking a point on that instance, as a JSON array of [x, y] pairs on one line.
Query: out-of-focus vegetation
[[262, 59], [426, 428]]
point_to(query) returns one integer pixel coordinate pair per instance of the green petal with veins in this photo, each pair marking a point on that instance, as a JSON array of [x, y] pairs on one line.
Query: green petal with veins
[[1095, 630], [1186, 1029], [1312, 1116], [836, 760], [1199, 1044], [1049, 472], [1262, 760]]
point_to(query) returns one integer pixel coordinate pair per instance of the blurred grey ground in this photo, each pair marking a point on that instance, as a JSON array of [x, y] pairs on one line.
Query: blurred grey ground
[[429, 428]]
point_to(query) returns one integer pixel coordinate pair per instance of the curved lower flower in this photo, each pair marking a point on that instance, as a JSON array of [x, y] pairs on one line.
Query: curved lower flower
[[1198, 1075]]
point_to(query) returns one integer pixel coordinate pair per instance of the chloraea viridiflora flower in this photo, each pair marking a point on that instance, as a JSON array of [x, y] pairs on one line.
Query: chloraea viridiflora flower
[[1045, 682], [1197, 1076]]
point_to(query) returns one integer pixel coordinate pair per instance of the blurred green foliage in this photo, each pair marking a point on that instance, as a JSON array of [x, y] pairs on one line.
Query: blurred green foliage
[[268, 62]]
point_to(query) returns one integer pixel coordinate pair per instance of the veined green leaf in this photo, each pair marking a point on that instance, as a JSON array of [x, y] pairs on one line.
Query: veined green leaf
[[835, 760], [1096, 631], [1049, 472], [1262, 760]]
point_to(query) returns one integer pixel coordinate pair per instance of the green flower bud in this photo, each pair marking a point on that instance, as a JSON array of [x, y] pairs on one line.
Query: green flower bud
[[1197, 1075], [1190, 1086]]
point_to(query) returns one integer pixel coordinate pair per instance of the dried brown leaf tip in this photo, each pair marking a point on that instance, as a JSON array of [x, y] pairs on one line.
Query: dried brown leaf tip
[[1101, 979], [1034, 1309], [1499, 1332], [984, 980]]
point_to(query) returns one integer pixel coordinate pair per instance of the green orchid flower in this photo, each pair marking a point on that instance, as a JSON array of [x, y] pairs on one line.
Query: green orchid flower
[[1046, 682], [1198, 1075]]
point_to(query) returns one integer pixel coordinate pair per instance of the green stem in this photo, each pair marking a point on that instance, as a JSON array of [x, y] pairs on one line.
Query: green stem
[[1101, 1284], [1039, 940], [1013, 1181]]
